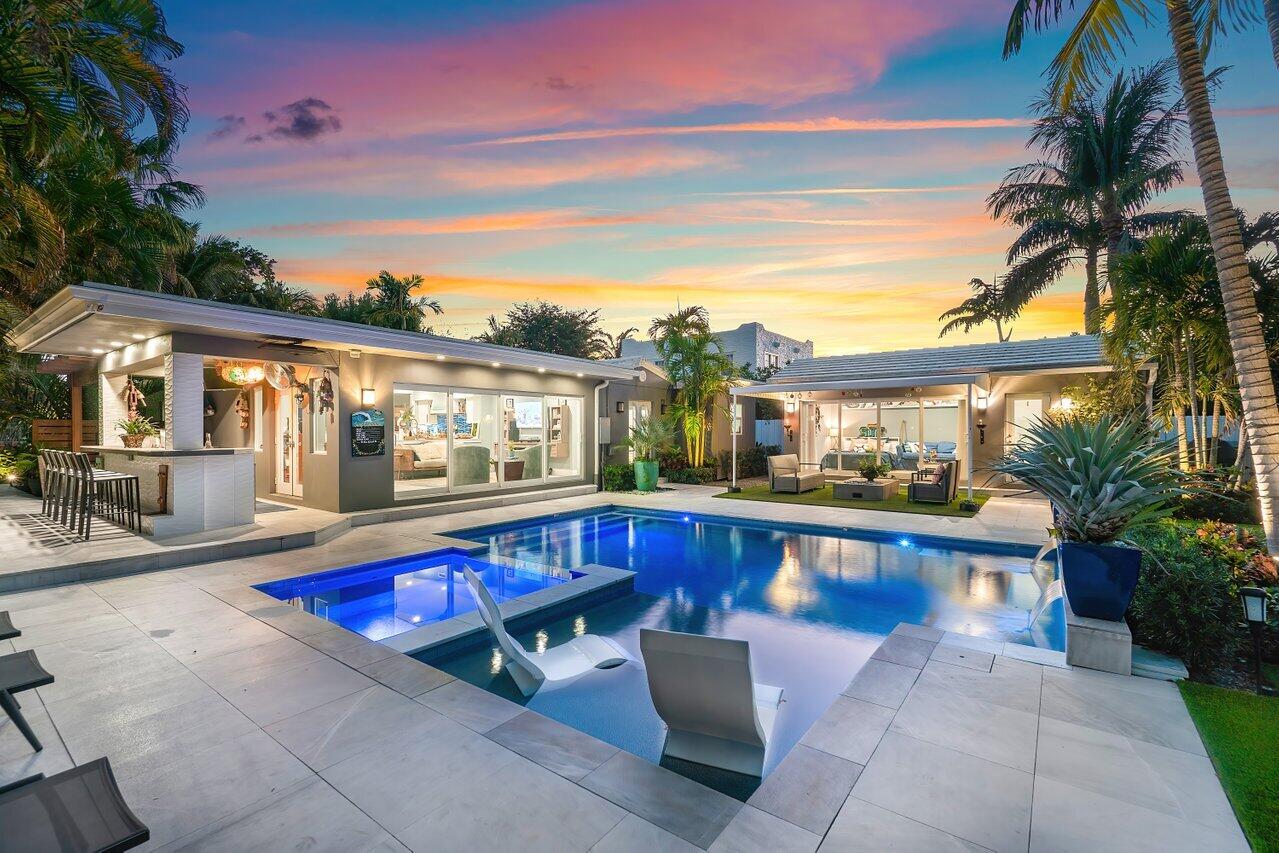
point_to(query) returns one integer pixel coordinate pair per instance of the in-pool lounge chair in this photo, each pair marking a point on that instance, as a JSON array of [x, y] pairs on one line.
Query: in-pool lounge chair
[[704, 690], [553, 667], [786, 474], [77, 809]]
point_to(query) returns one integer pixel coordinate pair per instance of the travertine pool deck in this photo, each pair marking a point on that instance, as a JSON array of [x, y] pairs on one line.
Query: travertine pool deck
[[236, 722]]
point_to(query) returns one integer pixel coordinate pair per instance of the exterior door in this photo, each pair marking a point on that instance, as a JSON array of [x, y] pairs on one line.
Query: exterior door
[[635, 410], [288, 444], [1024, 411]]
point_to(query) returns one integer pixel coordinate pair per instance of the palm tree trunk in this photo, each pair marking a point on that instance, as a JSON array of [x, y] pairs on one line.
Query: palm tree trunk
[[1213, 431], [1252, 365], [1192, 389], [1112, 225], [1179, 415], [1092, 290]]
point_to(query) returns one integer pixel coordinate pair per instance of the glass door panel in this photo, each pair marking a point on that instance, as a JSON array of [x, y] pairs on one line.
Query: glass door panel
[[476, 424], [420, 442], [524, 430], [564, 424]]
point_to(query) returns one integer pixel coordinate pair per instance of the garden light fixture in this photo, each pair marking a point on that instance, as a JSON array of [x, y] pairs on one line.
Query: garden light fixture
[[1254, 613]]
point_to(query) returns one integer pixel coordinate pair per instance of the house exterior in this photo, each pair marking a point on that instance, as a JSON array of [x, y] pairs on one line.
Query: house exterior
[[749, 344], [326, 414], [966, 403]]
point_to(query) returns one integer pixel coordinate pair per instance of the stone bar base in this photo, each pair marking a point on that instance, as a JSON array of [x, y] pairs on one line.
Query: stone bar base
[[1097, 643]]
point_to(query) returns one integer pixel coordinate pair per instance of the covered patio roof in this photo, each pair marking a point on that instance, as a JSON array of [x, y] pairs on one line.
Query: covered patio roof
[[834, 389], [90, 319]]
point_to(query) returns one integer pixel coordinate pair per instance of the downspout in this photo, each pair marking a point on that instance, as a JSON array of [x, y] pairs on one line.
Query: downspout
[[599, 448], [969, 461]]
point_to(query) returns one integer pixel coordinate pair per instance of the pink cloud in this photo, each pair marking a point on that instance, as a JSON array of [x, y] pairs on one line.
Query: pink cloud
[[529, 220], [595, 62]]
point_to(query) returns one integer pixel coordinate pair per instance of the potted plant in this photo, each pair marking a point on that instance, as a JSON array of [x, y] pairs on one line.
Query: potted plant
[[1103, 477], [649, 437], [135, 430], [872, 468]]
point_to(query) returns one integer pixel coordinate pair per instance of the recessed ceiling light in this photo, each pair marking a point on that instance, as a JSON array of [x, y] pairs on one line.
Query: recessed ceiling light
[[138, 336], [496, 363], [97, 350], [580, 375], [117, 343], [439, 358], [541, 370]]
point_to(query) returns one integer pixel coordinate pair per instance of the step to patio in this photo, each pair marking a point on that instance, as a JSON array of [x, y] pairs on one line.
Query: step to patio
[[1147, 663], [427, 510]]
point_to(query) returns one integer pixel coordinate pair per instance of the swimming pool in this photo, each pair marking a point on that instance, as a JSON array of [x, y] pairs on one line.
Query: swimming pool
[[813, 601], [390, 597]]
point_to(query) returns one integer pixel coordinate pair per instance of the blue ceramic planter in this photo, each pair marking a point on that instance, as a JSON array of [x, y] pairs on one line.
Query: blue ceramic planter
[[1100, 579]]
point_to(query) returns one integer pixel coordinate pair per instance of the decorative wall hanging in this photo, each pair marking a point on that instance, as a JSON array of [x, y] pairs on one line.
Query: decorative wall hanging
[[324, 397], [134, 399], [239, 373], [368, 433], [242, 409]]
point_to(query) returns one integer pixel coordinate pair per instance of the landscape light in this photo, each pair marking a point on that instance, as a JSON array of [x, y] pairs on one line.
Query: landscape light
[[1254, 613]]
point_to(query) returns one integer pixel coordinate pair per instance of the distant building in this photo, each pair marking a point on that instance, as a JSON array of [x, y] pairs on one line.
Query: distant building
[[749, 343]]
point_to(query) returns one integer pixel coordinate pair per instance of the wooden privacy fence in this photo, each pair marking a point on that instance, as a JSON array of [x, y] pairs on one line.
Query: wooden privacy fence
[[56, 434]]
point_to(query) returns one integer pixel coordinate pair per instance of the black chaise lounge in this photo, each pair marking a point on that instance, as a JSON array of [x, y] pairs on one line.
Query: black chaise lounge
[[7, 631], [21, 671], [80, 809]]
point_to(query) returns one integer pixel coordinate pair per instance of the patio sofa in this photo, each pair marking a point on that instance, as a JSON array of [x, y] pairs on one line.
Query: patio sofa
[[786, 474], [934, 489]]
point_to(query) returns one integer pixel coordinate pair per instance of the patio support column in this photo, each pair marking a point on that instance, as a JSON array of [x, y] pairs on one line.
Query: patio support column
[[111, 407], [968, 412], [184, 400], [879, 432], [77, 413], [733, 475], [919, 462]]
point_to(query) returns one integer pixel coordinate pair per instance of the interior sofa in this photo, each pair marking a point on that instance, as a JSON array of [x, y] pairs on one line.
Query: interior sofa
[[420, 458], [786, 474]]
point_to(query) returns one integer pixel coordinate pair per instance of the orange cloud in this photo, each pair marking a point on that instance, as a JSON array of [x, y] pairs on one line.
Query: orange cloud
[[817, 125], [529, 220]]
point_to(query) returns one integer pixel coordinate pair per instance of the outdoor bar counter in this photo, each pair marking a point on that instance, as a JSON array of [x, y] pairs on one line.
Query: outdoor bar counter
[[186, 491]]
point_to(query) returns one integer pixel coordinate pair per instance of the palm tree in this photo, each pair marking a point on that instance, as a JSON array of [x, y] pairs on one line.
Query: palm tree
[[397, 308], [1106, 155], [988, 304], [701, 373], [684, 321], [613, 343], [206, 267], [1092, 44]]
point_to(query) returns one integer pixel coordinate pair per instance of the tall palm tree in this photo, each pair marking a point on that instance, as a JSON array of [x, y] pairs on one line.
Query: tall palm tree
[[397, 308], [613, 343], [684, 321], [1093, 43], [988, 304], [1105, 155]]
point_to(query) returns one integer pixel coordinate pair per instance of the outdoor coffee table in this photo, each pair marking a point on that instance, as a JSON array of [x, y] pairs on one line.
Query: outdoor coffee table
[[858, 488]]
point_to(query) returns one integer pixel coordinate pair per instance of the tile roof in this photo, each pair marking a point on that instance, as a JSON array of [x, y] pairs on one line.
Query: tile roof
[[1046, 354]]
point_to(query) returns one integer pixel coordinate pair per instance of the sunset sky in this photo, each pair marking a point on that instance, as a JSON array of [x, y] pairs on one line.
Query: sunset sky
[[818, 166]]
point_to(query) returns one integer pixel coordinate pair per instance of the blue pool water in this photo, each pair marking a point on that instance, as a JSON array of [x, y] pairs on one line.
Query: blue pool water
[[814, 602], [390, 597]]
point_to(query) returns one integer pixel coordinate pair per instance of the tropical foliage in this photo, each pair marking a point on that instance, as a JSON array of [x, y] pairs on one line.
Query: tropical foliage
[[698, 368], [1105, 156], [990, 303], [649, 437], [1103, 477], [1101, 32], [546, 327]]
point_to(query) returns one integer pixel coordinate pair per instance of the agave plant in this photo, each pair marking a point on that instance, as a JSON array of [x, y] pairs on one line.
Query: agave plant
[[1103, 477]]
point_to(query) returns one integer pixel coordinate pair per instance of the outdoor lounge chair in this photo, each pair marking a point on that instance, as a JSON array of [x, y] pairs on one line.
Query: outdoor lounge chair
[[554, 667], [21, 671], [786, 474], [704, 690], [931, 490], [7, 631], [77, 809]]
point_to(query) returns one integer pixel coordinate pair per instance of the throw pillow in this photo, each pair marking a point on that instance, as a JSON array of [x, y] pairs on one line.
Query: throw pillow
[[938, 473]]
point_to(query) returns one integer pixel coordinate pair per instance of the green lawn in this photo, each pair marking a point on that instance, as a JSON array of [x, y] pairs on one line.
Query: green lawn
[[1241, 732], [825, 497]]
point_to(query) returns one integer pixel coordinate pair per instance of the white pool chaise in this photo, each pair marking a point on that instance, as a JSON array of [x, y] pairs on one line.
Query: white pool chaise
[[705, 691], [552, 667]]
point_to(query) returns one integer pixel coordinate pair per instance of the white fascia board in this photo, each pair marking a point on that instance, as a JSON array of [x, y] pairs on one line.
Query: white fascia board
[[981, 380], [215, 317]]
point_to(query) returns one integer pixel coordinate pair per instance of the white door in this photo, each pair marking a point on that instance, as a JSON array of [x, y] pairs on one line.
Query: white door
[[1024, 411], [635, 411], [288, 444]]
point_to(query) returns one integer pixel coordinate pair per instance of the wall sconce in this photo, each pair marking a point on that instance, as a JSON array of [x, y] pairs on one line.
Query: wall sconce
[[981, 430], [367, 397], [1066, 404], [790, 407], [982, 402], [621, 407]]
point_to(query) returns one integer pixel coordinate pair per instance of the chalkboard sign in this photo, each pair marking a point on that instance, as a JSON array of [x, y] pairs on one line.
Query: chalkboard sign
[[368, 433]]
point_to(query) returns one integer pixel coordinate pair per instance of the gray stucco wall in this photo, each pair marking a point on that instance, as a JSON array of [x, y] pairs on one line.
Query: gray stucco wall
[[653, 388], [749, 343]]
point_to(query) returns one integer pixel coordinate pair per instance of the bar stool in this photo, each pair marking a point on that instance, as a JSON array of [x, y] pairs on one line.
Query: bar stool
[[111, 493], [61, 487]]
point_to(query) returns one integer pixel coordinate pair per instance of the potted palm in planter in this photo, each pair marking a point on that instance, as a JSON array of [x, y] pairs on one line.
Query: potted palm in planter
[[135, 430], [872, 468], [649, 437], [1103, 478]]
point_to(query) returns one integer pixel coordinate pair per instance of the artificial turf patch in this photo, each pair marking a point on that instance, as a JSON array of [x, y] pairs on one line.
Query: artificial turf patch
[[825, 497]]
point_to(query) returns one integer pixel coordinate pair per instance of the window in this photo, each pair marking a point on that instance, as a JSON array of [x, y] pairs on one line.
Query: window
[[772, 360], [564, 437], [319, 421], [420, 441], [524, 425]]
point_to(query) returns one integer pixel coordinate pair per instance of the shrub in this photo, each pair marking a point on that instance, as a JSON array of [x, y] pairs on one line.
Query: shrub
[[1187, 601], [1213, 496], [751, 461], [696, 476], [619, 478], [872, 468]]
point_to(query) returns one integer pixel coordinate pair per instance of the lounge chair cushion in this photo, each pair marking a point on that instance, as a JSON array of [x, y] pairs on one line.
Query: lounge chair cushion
[[939, 473]]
